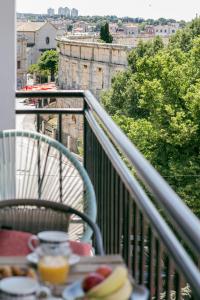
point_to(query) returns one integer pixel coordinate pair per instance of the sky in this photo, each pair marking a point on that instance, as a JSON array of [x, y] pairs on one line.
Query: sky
[[175, 9]]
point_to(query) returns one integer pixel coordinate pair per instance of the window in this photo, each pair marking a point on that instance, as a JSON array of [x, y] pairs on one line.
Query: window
[[18, 64], [47, 40]]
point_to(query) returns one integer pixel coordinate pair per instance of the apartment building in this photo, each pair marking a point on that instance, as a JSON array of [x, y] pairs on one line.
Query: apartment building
[[50, 12], [74, 13]]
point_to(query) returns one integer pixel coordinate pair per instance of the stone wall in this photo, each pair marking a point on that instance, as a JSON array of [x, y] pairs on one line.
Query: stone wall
[[72, 124], [132, 41], [89, 65]]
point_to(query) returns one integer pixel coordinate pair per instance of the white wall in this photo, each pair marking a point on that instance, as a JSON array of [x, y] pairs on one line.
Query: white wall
[[47, 30], [7, 64]]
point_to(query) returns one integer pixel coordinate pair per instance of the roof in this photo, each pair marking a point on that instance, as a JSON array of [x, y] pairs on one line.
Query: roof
[[29, 26]]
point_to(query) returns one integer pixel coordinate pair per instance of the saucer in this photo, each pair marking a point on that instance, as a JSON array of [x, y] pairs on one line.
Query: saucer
[[33, 258], [19, 285]]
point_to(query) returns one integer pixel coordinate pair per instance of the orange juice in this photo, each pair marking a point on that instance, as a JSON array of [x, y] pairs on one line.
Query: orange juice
[[53, 269]]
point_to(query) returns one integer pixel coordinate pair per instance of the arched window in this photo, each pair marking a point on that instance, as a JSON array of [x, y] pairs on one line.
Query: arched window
[[47, 40]]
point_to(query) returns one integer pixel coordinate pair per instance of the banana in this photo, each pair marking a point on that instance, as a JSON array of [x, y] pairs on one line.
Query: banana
[[121, 294], [111, 284]]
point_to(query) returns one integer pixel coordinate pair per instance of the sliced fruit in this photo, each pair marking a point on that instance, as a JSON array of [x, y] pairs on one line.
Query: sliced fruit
[[111, 284]]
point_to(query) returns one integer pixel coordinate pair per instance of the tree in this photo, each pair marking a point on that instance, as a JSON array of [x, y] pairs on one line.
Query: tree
[[156, 102], [49, 61], [105, 34], [41, 75], [69, 27]]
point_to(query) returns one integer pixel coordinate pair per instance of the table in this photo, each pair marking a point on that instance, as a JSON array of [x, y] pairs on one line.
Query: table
[[78, 271], [85, 265]]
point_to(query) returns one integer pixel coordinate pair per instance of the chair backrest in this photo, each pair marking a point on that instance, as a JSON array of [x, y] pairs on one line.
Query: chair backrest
[[47, 208], [34, 166]]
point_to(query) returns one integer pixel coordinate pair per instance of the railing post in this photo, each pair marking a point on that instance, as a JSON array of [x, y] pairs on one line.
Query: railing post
[[38, 157], [60, 155], [85, 136]]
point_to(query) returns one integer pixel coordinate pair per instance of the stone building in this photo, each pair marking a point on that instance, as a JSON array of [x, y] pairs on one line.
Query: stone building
[[21, 61], [150, 29], [40, 36], [131, 29], [89, 65], [80, 26], [166, 30]]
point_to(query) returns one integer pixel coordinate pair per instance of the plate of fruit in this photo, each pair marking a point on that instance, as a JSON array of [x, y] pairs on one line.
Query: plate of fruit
[[106, 284]]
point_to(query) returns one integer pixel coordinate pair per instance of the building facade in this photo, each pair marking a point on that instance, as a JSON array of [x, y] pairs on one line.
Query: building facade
[[41, 36], [67, 12], [166, 30], [89, 65], [74, 13], [21, 61], [50, 12], [150, 29], [131, 30], [80, 26], [61, 11]]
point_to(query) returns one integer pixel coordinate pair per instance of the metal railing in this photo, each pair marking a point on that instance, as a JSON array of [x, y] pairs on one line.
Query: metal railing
[[139, 215]]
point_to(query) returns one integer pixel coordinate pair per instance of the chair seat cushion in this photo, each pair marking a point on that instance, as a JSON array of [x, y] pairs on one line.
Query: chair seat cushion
[[15, 243]]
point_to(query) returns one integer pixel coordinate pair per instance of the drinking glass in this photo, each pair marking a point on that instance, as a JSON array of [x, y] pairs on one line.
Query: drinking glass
[[53, 267]]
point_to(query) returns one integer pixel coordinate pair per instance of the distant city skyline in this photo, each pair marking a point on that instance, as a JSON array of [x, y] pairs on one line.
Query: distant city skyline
[[179, 9]]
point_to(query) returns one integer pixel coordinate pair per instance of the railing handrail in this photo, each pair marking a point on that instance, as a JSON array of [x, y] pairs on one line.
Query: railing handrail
[[181, 216], [32, 111], [51, 94]]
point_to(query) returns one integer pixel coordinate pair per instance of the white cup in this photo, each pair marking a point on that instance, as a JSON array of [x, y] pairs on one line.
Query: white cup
[[49, 241]]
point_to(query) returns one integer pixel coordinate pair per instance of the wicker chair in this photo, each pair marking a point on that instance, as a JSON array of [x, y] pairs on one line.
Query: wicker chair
[[34, 166], [33, 207]]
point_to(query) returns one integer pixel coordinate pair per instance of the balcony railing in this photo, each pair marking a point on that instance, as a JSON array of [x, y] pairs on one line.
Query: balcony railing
[[139, 215]]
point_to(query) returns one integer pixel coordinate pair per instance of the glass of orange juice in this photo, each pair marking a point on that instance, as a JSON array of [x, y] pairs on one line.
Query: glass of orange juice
[[53, 270]]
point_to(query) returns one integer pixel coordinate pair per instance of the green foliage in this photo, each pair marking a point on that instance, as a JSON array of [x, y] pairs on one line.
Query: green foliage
[[41, 75], [156, 102], [69, 27], [105, 34], [33, 69], [184, 38], [49, 61]]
